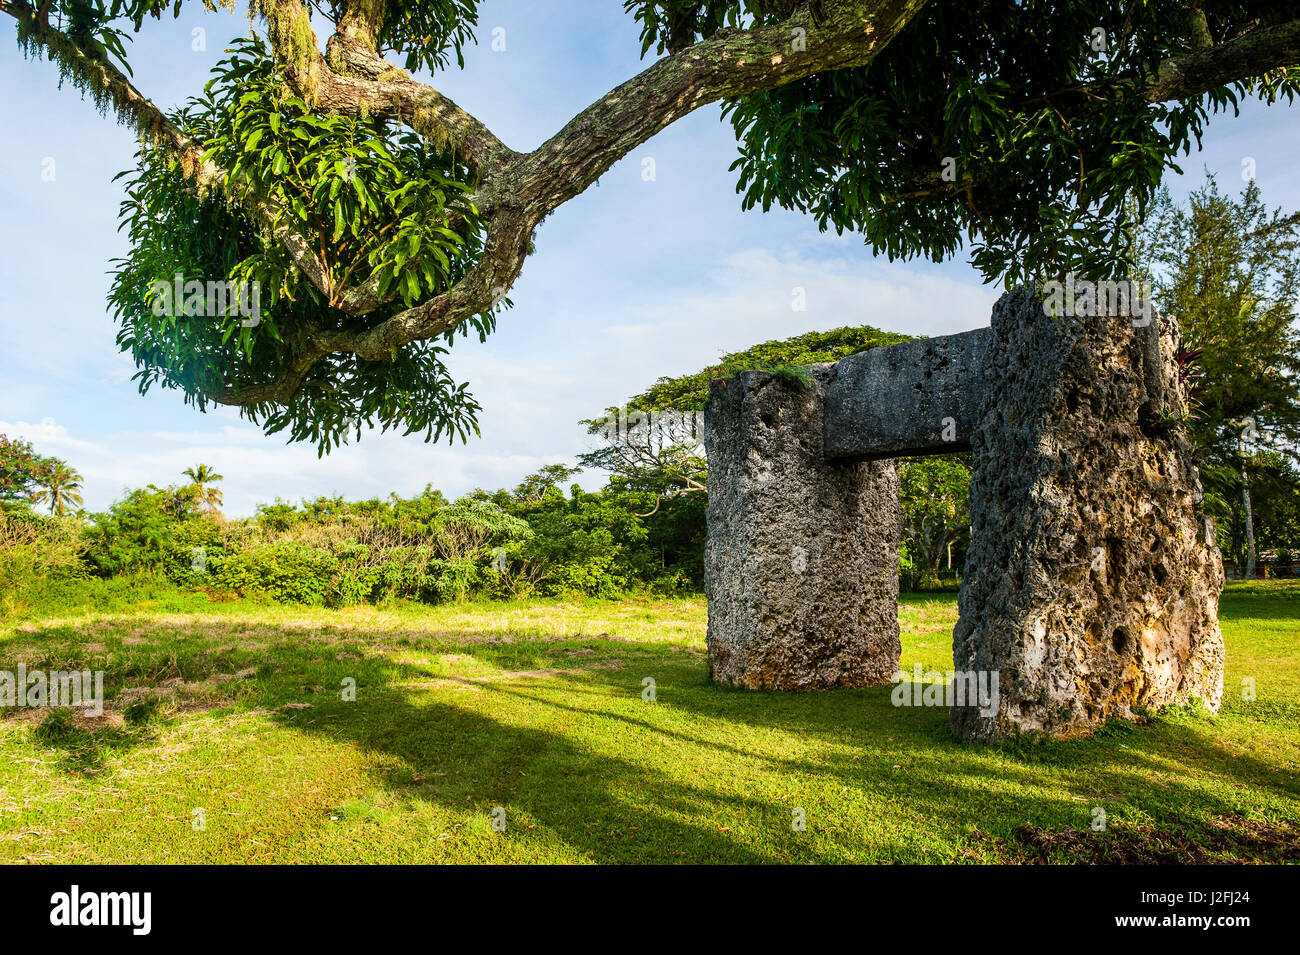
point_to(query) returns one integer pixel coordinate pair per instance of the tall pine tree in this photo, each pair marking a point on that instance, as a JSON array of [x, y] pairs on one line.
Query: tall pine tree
[[1228, 271]]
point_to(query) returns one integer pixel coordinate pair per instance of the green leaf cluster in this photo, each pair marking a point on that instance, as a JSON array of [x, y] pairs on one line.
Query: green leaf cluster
[[376, 205]]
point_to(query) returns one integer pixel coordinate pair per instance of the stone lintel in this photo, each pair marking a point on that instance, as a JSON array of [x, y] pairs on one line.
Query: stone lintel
[[918, 397]]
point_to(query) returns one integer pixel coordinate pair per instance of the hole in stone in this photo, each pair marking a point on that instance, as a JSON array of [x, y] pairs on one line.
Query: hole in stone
[[1119, 640], [766, 419], [1149, 422], [1114, 556], [1161, 574]]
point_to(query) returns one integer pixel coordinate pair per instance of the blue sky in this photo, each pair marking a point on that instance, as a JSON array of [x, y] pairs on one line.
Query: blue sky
[[632, 280]]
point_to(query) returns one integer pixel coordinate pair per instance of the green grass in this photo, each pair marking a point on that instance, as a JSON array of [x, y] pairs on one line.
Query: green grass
[[537, 708]]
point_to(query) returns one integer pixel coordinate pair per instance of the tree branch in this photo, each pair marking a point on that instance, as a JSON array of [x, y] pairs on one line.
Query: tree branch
[[728, 64], [516, 191], [362, 22], [109, 85], [353, 79], [1252, 54], [1207, 68], [364, 84], [519, 190], [505, 249]]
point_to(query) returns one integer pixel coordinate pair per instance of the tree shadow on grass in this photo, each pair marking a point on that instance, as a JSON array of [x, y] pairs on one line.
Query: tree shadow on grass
[[603, 808], [1128, 767], [606, 802], [590, 800]]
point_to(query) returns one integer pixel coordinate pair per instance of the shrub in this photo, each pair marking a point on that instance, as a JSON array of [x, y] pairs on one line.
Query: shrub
[[35, 553], [470, 538], [140, 531], [287, 572]]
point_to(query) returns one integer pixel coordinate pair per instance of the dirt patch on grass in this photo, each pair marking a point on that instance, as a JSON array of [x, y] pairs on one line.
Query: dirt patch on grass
[[37, 715], [480, 638], [176, 696], [1220, 840], [535, 674]]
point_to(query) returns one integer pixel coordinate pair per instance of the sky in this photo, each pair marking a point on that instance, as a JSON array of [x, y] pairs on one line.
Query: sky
[[631, 281]]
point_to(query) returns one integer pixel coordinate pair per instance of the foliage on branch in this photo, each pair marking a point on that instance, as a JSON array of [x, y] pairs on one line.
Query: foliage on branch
[[387, 206], [1016, 126]]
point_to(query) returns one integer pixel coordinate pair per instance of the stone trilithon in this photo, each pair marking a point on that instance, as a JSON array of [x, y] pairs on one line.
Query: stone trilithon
[[1091, 584]]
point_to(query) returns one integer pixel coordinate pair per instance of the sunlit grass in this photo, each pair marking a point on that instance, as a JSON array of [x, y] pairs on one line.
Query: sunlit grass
[[536, 709]]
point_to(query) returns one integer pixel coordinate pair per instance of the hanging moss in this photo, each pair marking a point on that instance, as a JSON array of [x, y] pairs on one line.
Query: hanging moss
[[424, 122], [94, 77], [295, 43]]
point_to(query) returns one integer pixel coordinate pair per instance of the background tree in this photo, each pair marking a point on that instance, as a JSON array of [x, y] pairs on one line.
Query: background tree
[[655, 442], [22, 471], [690, 392], [142, 530], [1228, 271], [659, 452], [61, 486], [1275, 493], [381, 221], [934, 493], [203, 477], [653, 446], [534, 486]]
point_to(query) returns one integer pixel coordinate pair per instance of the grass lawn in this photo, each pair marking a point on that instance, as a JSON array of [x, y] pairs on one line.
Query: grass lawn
[[536, 709]]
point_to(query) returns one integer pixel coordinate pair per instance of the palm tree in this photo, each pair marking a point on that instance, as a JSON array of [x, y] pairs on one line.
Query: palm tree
[[201, 477], [62, 485]]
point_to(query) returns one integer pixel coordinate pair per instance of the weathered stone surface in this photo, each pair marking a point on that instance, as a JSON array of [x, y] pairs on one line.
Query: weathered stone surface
[[919, 397], [802, 557], [1092, 582]]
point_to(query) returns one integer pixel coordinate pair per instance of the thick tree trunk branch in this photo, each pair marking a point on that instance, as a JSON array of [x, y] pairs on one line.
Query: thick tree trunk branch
[[363, 84], [1249, 55], [352, 79], [504, 252], [730, 63], [519, 190], [362, 22]]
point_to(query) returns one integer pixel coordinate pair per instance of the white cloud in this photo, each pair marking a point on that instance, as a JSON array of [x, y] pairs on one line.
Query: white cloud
[[751, 301], [50, 437]]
